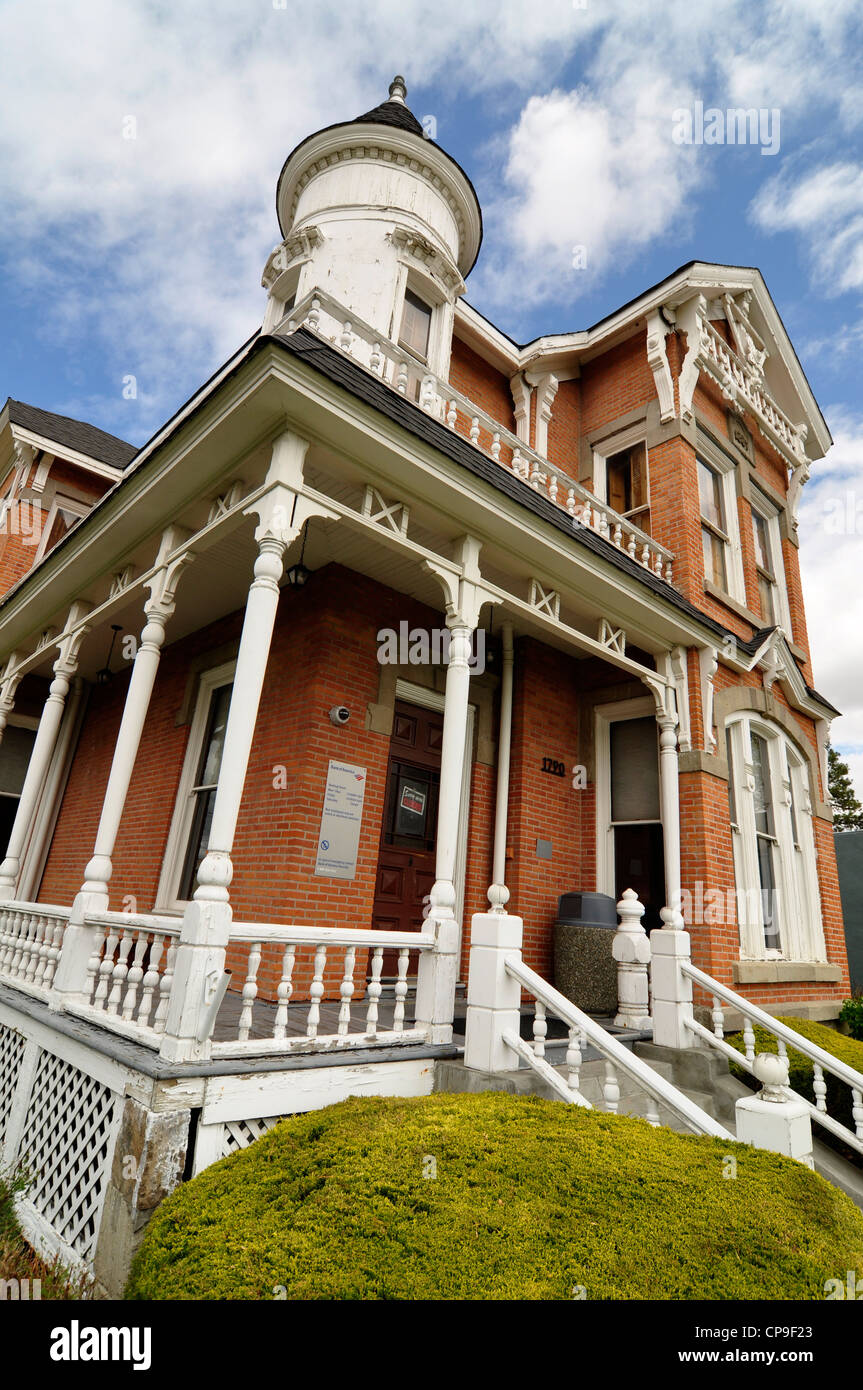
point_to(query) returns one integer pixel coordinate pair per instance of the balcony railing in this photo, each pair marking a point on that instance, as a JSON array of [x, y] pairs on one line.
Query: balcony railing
[[410, 377], [741, 383]]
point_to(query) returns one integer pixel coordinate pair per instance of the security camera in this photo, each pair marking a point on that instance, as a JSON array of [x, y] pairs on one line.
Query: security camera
[[339, 714]]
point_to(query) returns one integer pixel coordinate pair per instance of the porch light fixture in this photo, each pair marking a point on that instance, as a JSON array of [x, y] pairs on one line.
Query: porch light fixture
[[103, 676], [298, 575]]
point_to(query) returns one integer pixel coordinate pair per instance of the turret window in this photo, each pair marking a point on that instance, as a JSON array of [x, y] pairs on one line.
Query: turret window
[[416, 325]]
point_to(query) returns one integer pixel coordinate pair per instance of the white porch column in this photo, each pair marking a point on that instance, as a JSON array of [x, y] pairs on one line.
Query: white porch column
[[199, 968], [93, 896], [438, 970], [669, 800], [498, 893], [46, 738]]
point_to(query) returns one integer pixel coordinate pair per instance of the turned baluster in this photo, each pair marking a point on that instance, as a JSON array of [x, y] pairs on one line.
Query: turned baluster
[[749, 1039], [617, 535], [373, 991], [552, 487], [313, 318], [151, 978], [22, 926], [106, 968], [376, 360], [857, 1111], [284, 991], [452, 415], [819, 1085], [645, 555], [428, 395], [5, 937], [495, 447], [165, 987], [610, 1088], [316, 991], [346, 990], [573, 1059], [93, 969], [250, 992], [570, 501], [119, 973], [540, 1029], [474, 430], [657, 567], [135, 976], [630, 549], [718, 1018], [56, 944], [401, 990], [35, 955], [402, 379], [668, 573], [346, 337]]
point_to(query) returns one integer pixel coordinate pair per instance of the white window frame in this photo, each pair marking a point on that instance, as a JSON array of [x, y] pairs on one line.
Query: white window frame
[[184, 806], [762, 507], [801, 930], [606, 449], [724, 467], [604, 717], [424, 287]]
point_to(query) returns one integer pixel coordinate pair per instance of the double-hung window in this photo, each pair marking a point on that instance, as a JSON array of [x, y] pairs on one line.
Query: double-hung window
[[196, 795], [415, 328], [769, 566], [775, 867], [715, 539]]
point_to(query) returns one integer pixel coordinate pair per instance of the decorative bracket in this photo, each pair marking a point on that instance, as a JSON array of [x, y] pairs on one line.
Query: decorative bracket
[[614, 638], [657, 360], [708, 664], [544, 600], [690, 319], [677, 669]]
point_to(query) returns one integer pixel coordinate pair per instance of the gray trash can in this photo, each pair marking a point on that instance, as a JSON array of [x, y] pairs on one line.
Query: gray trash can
[[584, 969]]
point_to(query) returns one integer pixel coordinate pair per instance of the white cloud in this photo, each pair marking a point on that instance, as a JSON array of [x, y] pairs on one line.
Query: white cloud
[[824, 205], [831, 562]]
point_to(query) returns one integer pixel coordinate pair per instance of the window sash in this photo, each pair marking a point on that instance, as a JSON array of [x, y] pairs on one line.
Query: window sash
[[415, 328]]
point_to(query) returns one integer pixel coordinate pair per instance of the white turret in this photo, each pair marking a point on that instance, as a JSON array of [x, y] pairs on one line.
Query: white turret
[[377, 216]]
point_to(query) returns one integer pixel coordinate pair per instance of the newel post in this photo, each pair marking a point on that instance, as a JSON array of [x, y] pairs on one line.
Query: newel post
[[493, 996], [672, 989], [631, 949]]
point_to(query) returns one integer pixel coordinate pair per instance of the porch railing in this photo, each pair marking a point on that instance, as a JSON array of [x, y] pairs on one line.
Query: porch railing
[[130, 974], [618, 1059], [411, 378], [822, 1062], [358, 1023], [31, 935]]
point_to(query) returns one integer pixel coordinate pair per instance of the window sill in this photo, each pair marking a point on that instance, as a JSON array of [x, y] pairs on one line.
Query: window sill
[[739, 608], [759, 972]]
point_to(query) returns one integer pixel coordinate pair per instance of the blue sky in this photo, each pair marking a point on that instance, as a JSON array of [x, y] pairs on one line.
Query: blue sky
[[142, 256]]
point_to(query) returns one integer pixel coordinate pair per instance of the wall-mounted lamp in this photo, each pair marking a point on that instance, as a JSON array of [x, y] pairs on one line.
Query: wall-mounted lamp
[[298, 575], [103, 676]]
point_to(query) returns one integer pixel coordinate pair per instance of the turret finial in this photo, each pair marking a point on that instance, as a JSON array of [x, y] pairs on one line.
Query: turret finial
[[398, 90]]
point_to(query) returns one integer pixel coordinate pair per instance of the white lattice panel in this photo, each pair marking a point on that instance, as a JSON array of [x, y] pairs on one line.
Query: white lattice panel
[[67, 1147], [12, 1046], [239, 1134]]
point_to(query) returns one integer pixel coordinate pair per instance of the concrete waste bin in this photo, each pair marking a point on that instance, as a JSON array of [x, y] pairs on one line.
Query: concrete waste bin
[[584, 968]]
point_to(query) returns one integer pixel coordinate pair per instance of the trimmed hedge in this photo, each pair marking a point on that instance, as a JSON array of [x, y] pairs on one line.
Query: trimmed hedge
[[801, 1076], [494, 1196]]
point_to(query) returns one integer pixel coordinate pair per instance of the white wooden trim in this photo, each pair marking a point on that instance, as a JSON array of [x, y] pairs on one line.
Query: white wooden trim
[[181, 821], [434, 699]]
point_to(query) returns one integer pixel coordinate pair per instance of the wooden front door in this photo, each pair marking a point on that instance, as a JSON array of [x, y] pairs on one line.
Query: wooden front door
[[406, 860]]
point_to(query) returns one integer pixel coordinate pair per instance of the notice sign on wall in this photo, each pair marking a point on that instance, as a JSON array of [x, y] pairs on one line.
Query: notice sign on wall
[[339, 837]]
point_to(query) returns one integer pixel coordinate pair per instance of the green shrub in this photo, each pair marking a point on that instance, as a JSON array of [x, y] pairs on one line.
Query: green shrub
[[801, 1076], [494, 1196], [852, 1014]]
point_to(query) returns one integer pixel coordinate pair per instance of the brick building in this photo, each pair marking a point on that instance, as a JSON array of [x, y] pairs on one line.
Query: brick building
[[396, 619]]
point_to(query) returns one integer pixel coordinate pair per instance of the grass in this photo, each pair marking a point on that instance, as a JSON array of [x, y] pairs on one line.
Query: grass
[[18, 1262], [494, 1196]]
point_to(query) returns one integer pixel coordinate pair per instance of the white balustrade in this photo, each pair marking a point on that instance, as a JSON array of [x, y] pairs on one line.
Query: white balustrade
[[31, 935], [129, 974], [823, 1063], [313, 1023], [736, 379], [410, 377]]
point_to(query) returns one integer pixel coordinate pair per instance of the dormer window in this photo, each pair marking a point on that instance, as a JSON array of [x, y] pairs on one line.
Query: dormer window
[[416, 325]]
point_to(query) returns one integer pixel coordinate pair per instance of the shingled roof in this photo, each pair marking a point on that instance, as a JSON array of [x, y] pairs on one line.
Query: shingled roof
[[75, 434]]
